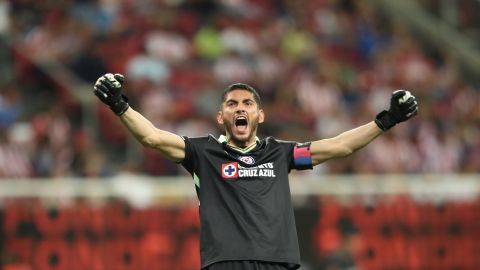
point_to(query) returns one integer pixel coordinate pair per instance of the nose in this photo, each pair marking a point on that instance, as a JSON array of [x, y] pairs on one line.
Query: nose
[[240, 108]]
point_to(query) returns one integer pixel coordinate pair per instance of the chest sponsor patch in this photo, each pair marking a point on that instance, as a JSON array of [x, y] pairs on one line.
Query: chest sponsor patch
[[230, 170], [235, 170]]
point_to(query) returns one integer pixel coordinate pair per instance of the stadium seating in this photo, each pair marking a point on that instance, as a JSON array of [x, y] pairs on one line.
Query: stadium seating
[[423, 235]]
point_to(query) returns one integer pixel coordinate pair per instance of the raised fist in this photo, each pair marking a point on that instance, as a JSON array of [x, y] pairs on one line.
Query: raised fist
[[108, 89], [403, 106]]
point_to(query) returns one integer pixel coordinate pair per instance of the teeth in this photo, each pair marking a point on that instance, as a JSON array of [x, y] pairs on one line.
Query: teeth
[[243, 120]]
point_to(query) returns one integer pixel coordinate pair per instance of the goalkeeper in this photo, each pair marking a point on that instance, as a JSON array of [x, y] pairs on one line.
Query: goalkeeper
[[246, 213]]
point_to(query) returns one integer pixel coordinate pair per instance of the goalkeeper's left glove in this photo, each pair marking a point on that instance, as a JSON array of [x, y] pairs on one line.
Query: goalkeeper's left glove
[[403, 106]]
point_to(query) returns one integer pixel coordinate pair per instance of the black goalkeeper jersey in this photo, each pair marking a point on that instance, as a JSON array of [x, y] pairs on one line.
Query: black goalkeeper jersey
[[246, 211]]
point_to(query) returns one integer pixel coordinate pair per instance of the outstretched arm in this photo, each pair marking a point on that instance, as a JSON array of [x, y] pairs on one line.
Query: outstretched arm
[[170, 145], [108, 90], [403, 106], [344, 144]]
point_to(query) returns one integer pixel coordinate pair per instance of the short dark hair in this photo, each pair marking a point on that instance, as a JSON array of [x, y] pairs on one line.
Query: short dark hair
[[242, 86]]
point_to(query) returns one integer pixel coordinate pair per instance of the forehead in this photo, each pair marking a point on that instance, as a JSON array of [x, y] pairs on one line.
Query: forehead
[[239, 94]]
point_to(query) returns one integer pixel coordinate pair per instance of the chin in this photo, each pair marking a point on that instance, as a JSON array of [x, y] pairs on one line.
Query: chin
[[241, 138]]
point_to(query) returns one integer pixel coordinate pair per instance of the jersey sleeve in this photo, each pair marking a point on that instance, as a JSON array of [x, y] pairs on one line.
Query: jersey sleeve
[[188, 161], [298, 155], [194, 150]]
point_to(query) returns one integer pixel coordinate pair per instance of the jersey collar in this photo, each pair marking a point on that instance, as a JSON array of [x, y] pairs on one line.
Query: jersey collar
[[223, 140]]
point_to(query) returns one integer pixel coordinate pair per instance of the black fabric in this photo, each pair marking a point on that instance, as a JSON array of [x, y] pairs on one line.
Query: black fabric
[[121, 106], [245, 204], [385, 120], [249, 265]]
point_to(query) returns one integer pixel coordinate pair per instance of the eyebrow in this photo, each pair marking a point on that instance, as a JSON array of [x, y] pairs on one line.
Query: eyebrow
[[243, 100]]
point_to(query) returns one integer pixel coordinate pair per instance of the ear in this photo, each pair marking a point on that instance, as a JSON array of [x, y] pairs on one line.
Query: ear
[[220, 117], [261, 116]]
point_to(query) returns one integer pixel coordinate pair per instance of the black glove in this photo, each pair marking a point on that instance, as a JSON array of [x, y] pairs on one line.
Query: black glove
[[403, 105], [108, 89]]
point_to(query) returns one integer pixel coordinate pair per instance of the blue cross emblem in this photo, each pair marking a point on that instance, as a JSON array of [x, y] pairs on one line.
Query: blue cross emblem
[[229, 170]]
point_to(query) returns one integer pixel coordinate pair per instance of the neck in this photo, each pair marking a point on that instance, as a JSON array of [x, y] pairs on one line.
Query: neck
[[241, 144]]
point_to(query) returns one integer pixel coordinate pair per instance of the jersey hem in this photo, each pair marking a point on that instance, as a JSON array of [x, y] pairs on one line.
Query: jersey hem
[[273, 260]]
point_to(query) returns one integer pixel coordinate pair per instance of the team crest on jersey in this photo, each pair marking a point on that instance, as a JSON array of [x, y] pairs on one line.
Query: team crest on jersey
[[247, 159], [230, 170]]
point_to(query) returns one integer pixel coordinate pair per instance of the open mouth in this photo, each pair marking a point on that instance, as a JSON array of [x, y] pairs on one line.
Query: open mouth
[[241, 123]]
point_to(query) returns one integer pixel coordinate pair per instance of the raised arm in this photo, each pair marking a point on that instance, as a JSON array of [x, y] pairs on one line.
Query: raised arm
[[403, 106], [108, 89]]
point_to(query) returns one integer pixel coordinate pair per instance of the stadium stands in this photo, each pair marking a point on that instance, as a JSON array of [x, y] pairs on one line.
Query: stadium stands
[[331, 63]]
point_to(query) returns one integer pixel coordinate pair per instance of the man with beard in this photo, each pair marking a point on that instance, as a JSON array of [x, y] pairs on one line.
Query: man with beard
[[246, 214]]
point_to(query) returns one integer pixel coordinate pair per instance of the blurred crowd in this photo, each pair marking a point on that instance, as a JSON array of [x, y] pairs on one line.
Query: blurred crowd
[[321, 67], [460, 14]]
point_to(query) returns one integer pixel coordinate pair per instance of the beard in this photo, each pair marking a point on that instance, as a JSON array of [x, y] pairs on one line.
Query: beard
[[239, 137]]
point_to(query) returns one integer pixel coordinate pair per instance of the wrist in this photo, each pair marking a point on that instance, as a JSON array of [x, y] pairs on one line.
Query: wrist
[[385, 120], [120, 106]]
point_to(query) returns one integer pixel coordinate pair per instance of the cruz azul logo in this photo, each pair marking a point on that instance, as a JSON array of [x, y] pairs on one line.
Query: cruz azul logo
[[230, 170], [247, 159], [234, 170]]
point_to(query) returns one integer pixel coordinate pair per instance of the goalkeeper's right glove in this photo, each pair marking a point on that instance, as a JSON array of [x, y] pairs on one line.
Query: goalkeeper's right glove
[[108, 89], [403, 106]]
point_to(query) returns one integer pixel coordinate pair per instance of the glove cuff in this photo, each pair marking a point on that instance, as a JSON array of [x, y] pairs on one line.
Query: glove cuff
[[385, 120], [121, 106]]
